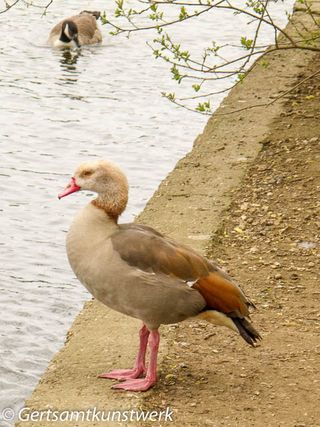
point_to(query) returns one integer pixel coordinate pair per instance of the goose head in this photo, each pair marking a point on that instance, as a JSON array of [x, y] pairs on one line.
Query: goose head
[[69, 32], [104, 178]]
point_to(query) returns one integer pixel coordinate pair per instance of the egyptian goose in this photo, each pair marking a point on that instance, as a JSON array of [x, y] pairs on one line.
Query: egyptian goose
[[76, 31], [137, 271]]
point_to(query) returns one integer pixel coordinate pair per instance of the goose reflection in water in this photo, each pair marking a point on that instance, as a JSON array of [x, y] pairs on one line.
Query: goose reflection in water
[[69, 58], [68, 61]]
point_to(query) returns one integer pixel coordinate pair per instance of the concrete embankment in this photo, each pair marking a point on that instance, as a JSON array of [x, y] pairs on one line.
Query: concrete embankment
[[189, 206]]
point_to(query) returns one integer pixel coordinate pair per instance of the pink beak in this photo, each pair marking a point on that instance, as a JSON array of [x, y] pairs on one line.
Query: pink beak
[[72, 187]]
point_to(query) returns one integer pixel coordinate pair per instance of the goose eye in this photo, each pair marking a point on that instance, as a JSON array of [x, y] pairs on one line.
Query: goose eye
[[86, 173]]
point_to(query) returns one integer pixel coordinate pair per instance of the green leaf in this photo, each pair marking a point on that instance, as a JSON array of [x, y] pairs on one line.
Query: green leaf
[[185, 55], [119, 3], [256, 5], [104, 19], [175, 74], [200, 107], [204, 107], [196, 87], [171, 96], [183, 13], [246, 43], [118, 12], [241, 77]]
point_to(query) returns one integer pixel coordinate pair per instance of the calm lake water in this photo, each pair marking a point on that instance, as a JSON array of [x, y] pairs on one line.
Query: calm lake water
[[56, 112]]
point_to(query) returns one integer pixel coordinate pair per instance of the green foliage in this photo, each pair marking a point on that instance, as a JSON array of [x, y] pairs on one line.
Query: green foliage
[[183, 13], [104, 18], [241, 77], [246, 43], [176, 74], [170, 96], [199, 71], [257, 6], [156, 15], [119, 9], [204, 107]]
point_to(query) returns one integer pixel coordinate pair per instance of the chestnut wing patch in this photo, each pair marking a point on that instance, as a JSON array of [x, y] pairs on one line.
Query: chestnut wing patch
[[223, 295]]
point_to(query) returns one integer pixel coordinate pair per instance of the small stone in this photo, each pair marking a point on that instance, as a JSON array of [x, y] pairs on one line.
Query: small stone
[[278, 276], [244, 206], [275, 265], [170, 377]]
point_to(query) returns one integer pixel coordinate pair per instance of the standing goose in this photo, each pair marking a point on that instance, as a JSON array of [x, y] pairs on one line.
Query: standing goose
[[76, 31], [139, 272]]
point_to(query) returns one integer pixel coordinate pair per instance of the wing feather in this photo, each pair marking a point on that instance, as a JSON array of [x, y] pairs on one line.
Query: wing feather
[[223, 295], [148, 250]]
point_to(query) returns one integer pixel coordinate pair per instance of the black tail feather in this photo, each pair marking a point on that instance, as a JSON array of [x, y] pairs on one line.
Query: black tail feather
[[246, 330]]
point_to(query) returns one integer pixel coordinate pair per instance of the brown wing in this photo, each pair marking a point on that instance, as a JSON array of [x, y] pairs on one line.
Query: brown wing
[[86, 24], [88, 28], [144, 248], [148, 250]]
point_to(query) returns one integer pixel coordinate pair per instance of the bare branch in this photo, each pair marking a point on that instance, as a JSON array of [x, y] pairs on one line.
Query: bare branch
[[246, 12], [9, 6]]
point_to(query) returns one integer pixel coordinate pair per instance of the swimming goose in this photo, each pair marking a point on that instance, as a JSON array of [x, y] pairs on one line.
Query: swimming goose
[[76, 31], [137, 271]]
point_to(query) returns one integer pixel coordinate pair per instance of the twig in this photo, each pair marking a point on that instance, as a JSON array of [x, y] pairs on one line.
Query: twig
[[9, 6]]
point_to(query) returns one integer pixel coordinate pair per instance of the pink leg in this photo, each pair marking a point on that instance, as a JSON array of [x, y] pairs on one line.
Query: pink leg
[[139, 367], [143, 384]]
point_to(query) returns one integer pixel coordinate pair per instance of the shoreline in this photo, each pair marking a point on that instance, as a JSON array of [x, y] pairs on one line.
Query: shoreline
[[190, 206]]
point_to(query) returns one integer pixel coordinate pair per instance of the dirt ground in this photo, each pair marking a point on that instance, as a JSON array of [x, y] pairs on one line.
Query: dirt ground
[[270, 242]]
